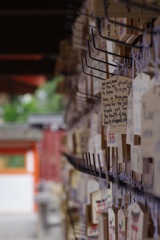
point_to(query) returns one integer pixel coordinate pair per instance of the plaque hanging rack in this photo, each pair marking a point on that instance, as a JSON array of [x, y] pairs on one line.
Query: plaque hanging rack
[[84, 165]]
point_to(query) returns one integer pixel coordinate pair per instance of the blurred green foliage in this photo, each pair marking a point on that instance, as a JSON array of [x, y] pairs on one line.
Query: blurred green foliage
[[43, 101]]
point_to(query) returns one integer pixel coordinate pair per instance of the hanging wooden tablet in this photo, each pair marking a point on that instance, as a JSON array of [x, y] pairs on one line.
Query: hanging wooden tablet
[[137, 222], [122, 224], [84, 140], [91, 230], [95, 206], [91, 143], [97, 202], [119, 9], [70, 142], [115, 91], [156, 159], [103, 226], [111, 30], [94, 124], [122, 148], [98, 8], [113, 223], [136, 163], [74, 178], [114, 159], [140, 85], [150, 115], [120, 153], [96, 81], [130, 121], [150, 110], [127, 199]]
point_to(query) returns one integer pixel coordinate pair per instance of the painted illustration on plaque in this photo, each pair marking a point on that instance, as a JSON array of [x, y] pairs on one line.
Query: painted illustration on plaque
[[137, 222], [122, 224], [112, 224], [121, 231]]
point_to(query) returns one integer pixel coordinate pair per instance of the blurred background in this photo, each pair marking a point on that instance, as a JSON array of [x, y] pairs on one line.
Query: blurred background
[[34, 44]]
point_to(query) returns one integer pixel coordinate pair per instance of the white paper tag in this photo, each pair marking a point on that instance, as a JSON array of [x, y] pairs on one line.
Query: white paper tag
[[150, 110], [115, 91], [111, 137], [140, 85]]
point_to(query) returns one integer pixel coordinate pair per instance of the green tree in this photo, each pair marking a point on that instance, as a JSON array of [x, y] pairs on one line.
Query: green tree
[[43, 101]]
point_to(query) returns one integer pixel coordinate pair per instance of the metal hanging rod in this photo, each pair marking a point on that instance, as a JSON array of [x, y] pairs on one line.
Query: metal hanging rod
[[84, 165], [115, 40]]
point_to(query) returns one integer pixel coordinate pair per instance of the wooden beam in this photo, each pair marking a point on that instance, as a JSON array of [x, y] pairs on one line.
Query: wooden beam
[[27, 67], [29, 43]]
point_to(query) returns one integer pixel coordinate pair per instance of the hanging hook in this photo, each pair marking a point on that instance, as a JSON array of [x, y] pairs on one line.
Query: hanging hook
[[114, 40], [94, 163], [111, 53], [142, 30], [98, 60], [99, 163], [89, 158]]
